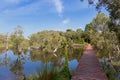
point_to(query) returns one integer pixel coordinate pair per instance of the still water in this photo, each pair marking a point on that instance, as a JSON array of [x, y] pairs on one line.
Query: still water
[[13, 65]]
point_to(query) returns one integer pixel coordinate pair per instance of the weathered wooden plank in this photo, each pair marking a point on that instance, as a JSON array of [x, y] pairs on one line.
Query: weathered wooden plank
[[89, 67]]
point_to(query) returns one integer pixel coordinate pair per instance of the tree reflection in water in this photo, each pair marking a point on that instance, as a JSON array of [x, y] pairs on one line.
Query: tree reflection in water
[[17, 67], [5, 60], [16, 64]]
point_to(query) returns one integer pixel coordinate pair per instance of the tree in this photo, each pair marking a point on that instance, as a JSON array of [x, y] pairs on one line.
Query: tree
[[17, 38], [90, 30], [70, 34], [113, 7], [46, 40], [90, 27], [101, 22], [104, 39], [79, 38], [4, 40], [74, 36], [86, 36]]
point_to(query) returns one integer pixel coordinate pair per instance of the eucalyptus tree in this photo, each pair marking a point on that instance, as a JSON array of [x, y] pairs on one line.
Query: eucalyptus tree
[[101, 22], [74, 36], [90, 30], [7, 41], [113, 7], [79, 38], [90, 27], [70, 36], [4, 40], [46, 40], [106, 39], [17, 38]]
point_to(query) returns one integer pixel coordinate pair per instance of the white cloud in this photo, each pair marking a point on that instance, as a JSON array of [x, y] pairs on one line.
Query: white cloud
[[66, 21], [37, 7], [58, 5]]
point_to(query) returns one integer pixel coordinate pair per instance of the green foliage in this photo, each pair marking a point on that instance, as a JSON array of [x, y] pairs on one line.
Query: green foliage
[[101, 22], [74, 36], [50, 74], [90, 27], [64, 74], [2, 40], [114, 11], [45, 74], [86, 36], [113, 7], [17, 39], [46, 40], [111, 73], [102, 39], [50, 40]]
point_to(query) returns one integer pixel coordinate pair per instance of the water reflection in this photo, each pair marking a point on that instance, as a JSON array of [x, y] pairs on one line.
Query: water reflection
[[17, 67], [14, 66], [4, 59]]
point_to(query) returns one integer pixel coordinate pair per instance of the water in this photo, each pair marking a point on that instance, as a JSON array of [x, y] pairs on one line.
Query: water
[[13, 66]]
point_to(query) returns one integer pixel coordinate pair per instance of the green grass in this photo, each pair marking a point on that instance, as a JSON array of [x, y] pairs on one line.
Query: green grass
[[53, 73], [50, 74], [111, 72], [45, 74]]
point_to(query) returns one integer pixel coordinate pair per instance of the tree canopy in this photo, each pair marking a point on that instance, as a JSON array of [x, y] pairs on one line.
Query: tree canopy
[[113, 7]]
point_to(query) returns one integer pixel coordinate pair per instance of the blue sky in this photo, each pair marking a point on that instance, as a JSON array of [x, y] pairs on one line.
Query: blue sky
[[38, 15]]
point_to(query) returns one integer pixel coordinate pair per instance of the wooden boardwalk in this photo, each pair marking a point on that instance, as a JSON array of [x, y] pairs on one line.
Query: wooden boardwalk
[[89, 68]]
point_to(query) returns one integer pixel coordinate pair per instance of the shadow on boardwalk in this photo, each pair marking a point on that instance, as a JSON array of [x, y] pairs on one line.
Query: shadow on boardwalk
[[89, 67]]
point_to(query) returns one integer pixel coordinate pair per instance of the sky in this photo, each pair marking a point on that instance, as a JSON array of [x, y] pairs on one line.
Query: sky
[[38, 15]]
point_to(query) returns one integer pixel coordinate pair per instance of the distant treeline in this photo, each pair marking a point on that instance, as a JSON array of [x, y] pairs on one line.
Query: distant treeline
[[43, 40], [98, 32]]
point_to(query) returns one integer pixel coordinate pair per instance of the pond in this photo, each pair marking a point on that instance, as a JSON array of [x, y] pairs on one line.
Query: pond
[[13, 65]]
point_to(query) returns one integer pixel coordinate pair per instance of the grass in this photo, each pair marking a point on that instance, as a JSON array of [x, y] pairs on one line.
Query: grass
[[111, 72], [45, 74], [53, 73], [50, 74]]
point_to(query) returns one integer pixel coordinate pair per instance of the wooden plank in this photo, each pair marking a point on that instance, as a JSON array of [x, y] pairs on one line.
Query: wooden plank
[[89, 67]]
